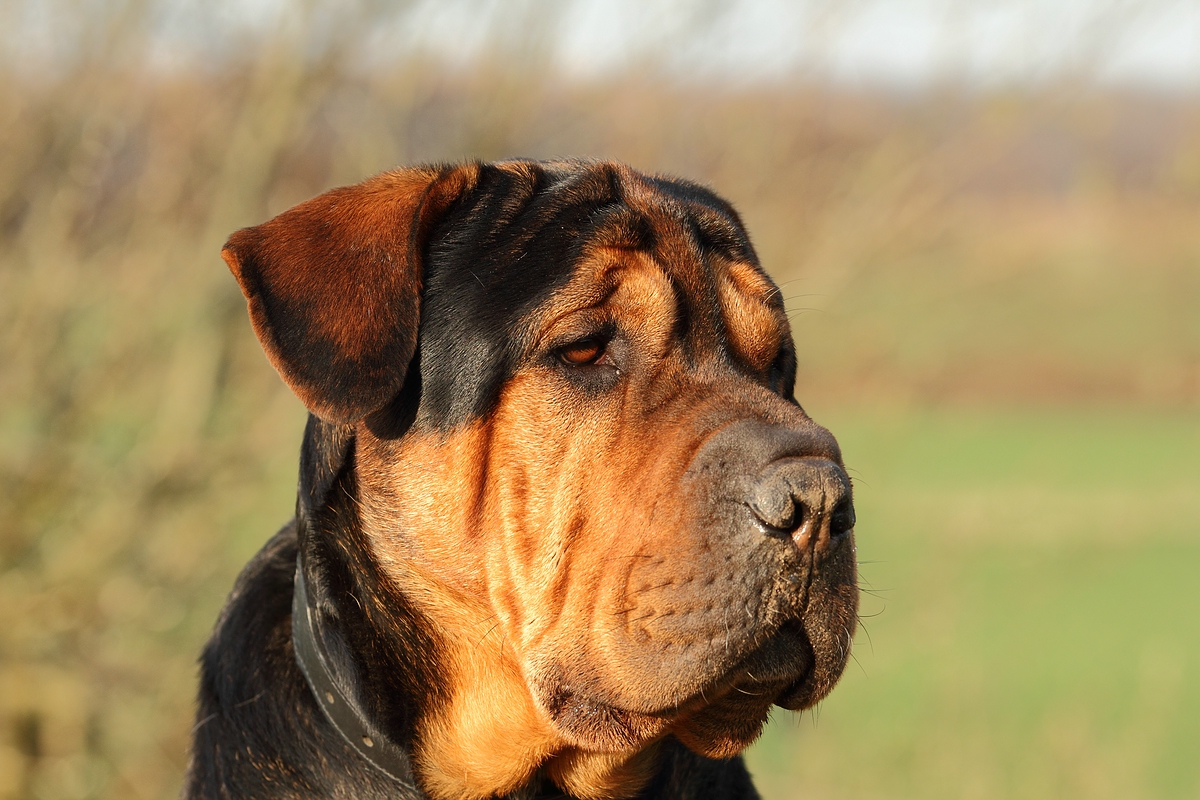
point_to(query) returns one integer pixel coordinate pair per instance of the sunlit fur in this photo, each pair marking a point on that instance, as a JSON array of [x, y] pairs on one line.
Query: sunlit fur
[[543, 567], [553, 527]]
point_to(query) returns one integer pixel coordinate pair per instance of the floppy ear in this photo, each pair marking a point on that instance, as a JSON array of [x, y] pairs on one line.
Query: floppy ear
[[334, 286]]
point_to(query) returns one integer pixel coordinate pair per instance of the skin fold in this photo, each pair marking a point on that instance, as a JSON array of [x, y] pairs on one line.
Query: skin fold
[[565, 526]]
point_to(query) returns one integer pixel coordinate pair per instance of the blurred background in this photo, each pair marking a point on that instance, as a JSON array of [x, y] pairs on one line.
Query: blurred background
[[985, 215]]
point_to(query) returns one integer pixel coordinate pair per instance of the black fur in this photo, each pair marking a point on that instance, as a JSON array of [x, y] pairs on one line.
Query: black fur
[[490, 262], [259, 732], [497, 254]]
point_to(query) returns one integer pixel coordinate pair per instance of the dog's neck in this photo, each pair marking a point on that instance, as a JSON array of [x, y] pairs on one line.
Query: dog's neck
[[375, 746], [490, 738], [459, 718]]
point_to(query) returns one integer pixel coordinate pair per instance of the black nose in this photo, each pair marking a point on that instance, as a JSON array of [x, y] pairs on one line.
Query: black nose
[[804, 497]]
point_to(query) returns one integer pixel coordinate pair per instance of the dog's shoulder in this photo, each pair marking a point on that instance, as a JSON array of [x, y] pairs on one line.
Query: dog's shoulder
[[260, 600], [257, 723]]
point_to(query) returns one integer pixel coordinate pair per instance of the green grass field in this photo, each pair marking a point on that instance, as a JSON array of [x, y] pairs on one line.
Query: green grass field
[[1034, 624]]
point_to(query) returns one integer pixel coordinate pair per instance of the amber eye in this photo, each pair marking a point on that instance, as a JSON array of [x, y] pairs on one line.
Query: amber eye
[[585, 351]]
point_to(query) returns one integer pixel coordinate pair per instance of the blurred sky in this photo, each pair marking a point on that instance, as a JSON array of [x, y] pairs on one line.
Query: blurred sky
[[893, 43]]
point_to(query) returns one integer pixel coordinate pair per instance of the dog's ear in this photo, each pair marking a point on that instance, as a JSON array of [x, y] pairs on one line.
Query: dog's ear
[[334, 286]]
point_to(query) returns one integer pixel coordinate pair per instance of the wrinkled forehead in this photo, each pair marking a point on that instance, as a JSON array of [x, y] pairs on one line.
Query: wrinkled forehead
[[652, 264], [688, 236], [537, 238]]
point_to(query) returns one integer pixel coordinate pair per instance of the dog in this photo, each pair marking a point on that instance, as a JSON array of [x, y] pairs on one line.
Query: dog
[[562, 529]]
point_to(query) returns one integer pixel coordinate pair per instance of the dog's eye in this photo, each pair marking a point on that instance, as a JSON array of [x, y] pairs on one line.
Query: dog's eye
[[583, 352]]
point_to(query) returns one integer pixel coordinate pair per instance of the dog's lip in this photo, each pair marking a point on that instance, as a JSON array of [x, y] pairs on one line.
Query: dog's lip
[[785, 660], [781, 671], [781, 666]]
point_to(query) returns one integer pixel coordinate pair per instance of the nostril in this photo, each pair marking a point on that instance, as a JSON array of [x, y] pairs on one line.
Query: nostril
[[792, 495], [842, 519], [778, 511]]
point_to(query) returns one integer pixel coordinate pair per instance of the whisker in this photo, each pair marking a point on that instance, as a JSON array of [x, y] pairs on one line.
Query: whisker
[[860, 666], [863, 625]]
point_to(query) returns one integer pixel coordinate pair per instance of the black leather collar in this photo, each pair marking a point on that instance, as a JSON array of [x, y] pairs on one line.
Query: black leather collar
[[367, 740]]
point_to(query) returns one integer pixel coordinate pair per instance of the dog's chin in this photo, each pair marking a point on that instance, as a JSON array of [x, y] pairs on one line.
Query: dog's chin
[[740, 705], [590, 724], [718, 721]]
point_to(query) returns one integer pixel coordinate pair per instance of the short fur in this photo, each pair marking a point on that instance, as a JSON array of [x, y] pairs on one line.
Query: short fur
[[542, 574]]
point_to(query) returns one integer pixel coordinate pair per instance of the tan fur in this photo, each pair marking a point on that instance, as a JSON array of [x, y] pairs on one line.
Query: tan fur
[[754, 315], [471, 565], [503, 521], [603, 776], [506, 538], [490, 737], [587, 557]]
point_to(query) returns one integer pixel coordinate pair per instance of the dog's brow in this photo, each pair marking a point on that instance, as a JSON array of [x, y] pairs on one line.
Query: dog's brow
[[717, 232], [623, 228], [593, 291], [748, 281], [578, 298]]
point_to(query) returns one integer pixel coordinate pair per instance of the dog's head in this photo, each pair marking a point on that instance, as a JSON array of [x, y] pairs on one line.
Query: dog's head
[[576, 447]]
